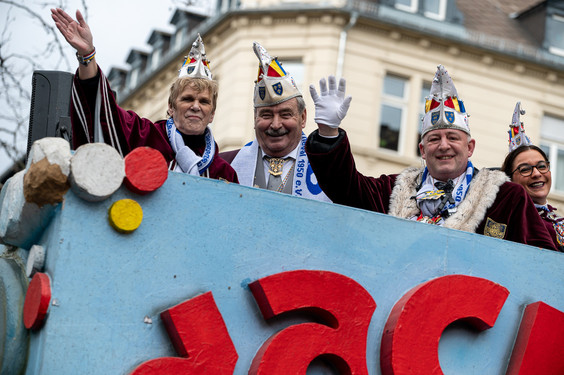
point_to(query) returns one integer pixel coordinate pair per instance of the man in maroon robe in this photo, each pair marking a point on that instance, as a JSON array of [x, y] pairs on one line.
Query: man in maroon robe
[[449, 192], [185, 140]]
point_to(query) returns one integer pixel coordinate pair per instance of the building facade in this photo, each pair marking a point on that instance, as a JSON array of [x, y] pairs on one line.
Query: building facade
[[497, 52]]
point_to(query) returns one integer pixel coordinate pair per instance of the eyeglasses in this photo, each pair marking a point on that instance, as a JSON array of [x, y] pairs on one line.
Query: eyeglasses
[[526, 170]]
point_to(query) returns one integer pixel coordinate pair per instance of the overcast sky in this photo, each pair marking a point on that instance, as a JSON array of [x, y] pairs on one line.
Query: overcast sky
[[117, 27]]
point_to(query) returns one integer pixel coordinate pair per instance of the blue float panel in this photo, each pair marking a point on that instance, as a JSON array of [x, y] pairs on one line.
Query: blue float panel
[[201, 235]]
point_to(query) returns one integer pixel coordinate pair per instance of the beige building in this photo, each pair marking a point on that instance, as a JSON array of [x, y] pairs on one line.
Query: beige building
[[497, 52]]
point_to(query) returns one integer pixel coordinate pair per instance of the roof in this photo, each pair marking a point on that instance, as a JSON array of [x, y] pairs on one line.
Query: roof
[[510, 7], [494, 17]]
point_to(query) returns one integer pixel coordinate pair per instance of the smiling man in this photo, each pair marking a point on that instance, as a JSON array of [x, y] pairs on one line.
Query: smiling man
[[184, 139], [449, 191], [276, 160]]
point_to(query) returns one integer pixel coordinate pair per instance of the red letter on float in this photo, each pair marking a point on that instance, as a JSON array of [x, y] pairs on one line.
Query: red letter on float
[[410, 341], [539, 344], [342, 304], [198, 334]]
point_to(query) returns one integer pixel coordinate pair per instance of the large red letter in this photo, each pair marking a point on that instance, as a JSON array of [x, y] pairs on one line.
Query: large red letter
[[198, 334], [540, 342], [410, 341], [340, 302]]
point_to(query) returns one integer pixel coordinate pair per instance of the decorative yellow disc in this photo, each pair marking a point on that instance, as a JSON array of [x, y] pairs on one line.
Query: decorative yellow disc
[[125, 215]]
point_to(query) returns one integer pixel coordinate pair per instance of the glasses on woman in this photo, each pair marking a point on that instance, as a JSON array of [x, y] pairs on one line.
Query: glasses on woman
[[526, 169]]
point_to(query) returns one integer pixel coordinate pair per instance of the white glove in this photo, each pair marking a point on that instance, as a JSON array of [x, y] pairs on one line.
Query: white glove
[[332, 106]]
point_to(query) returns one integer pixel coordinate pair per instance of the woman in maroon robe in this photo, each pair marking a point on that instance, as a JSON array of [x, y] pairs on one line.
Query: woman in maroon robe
[[529, 166], [184, 139]]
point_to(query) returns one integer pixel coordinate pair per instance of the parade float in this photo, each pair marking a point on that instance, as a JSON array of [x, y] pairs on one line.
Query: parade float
[[117, 266]]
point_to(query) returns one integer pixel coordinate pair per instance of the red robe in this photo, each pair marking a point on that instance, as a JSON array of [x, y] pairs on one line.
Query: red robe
[[512, 209], [553, 223], [131, 131]]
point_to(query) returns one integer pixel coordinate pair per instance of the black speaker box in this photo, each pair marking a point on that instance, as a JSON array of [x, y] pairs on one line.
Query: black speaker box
[[50, 106]]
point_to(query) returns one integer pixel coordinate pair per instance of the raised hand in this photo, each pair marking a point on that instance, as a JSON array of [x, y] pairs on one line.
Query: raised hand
[[77, 33], [332, 105]]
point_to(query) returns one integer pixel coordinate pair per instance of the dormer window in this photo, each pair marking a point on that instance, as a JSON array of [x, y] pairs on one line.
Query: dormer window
[[554, 35], [435, 9], [407, 5], [133, 76], [178, 39], [155, 59]]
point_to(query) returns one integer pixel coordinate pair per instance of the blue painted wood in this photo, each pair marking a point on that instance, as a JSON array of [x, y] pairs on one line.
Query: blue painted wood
[[199, 235], [14, 338]]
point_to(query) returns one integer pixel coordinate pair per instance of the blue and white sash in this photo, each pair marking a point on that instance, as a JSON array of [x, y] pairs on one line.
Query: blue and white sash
[[428, 206], [186, 160], [305, 183]]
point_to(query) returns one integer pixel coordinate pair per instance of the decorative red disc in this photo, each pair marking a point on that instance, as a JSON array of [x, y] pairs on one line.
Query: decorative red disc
[[145, 170], [37, 300]]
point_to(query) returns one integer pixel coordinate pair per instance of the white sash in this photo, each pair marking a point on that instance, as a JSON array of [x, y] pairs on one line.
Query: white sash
[[186, 160], [305, 183], [458, 193]]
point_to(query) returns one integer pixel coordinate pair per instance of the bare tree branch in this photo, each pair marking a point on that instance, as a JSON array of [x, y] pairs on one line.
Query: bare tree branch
[[43, 49]]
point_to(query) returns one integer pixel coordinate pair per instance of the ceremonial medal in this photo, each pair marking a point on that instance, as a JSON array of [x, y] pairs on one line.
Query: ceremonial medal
[[275, 166]]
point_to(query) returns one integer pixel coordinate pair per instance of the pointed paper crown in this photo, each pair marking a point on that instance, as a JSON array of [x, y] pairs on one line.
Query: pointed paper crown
[[517, 136], [443, 108], [196, 64], [273, 84]]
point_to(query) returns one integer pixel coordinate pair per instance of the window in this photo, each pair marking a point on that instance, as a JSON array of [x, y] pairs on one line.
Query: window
[[425, 90], [178, 38], [295, 68], [134, 75], [435, 9], [407, 5], [155, 59], [552, 143], [393, 111], [554, 35]]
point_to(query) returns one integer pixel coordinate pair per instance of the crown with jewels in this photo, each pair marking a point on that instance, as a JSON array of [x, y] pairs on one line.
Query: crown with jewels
[[273, 84], [443, 108], [517, 136], [196, 64]]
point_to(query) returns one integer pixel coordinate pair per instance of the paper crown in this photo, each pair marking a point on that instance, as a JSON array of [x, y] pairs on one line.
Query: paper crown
[[517, 136], [196, 64], [443, 108], [273, 84]]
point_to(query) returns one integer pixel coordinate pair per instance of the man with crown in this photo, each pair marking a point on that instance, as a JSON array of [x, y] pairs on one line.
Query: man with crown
[[184, 139], [528, 165], [276, 160], [449, 191]]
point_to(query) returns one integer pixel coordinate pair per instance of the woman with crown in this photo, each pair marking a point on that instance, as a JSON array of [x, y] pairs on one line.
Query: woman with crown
[[528, 165], [184, 139]]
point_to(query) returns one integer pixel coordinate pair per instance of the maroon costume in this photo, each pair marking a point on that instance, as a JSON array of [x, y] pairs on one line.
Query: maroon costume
[[511, 214], [125, 130], [554, 224]]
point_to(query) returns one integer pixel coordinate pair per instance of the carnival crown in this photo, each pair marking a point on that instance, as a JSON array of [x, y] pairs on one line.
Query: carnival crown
[[273, 84], [443, 108], [517, 136], [196, 64]]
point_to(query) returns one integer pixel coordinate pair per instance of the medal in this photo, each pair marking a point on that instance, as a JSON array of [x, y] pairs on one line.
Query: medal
[[275, 166]]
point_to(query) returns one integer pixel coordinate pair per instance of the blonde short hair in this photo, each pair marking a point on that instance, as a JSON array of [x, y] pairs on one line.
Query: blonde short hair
[[198, 84]]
